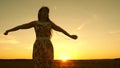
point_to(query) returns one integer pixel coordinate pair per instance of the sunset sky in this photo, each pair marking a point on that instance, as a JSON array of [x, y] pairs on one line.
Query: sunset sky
[[96, 22]]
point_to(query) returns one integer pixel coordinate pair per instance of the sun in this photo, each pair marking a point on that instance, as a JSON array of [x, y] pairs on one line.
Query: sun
[[64, 58]]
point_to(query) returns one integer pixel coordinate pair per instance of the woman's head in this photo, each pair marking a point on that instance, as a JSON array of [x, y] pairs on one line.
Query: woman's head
[[43, 13]]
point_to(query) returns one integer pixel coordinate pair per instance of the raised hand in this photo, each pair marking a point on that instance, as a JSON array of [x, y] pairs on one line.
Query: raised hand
[[74, 36], [6, 33]]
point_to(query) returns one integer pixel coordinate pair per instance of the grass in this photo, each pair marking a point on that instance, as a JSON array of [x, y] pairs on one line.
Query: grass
[[28, 63]]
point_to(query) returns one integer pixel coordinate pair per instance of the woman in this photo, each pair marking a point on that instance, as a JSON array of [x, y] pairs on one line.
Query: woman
[[43, 53]]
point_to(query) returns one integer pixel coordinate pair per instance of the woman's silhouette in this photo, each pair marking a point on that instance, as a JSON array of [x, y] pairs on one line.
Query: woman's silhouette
[[43, 53]]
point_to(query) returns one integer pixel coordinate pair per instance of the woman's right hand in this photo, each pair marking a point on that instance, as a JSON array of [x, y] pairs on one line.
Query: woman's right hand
[[6, 33]]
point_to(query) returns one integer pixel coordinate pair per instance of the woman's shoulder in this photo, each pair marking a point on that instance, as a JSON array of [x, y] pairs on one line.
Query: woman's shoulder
[[34, 22]]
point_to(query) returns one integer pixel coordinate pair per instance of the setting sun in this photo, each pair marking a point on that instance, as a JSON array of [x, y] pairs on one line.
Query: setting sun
[[64, 58]]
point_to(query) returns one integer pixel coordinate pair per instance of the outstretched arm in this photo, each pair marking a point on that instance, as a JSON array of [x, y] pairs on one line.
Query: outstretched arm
[[24, 26], [57, 28]]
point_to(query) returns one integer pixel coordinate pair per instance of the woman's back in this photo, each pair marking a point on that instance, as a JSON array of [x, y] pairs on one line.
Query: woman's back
[[42, 29]]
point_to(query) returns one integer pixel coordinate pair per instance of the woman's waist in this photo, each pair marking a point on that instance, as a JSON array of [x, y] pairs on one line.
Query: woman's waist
[[42, 38]]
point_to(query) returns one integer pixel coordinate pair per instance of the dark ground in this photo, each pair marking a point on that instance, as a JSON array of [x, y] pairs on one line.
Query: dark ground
[[23, 63]]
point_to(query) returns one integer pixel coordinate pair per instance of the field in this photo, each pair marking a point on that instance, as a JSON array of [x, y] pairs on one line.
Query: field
[[28, 63]]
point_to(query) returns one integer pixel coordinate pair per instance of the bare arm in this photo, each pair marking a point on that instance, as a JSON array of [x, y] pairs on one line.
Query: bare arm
[[24, 26], [57, 28]]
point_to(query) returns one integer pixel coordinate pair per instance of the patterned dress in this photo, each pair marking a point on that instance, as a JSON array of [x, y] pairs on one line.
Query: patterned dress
[[43, 53]]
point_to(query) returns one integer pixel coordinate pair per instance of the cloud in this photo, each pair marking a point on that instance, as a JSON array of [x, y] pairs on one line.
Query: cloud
[[13, 41], [115, 32], [8, 39], [88, 20], [81, 26], [28, 47], [7, 48]]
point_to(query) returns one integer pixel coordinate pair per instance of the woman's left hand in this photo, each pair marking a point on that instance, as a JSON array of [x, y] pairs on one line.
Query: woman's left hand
[[74, 36]]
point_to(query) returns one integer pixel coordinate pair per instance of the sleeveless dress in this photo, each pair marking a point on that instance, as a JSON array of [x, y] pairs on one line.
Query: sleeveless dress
[[43, 53]]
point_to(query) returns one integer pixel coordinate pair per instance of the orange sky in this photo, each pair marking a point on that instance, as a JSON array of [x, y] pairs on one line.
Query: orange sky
[[95, 22]]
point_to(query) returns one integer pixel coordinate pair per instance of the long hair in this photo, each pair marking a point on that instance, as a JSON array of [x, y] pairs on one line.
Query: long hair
[[47, 18], [40, 16]]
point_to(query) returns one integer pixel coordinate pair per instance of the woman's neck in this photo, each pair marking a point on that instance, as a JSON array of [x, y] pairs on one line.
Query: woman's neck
[[43, 19]]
